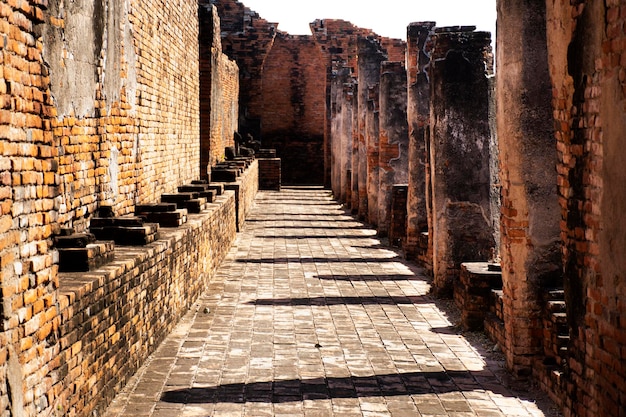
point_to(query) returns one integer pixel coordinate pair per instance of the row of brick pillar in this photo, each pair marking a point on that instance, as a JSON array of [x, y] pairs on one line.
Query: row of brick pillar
[[422, 130]]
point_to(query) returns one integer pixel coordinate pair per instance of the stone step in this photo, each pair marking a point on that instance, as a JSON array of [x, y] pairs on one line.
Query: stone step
[[556, 306], [122, 221], [154, 208], [174, 218], [556, 294], [178, 197], [83, 259], [196, 205], [224, 175], [76, 240], [128, 235]]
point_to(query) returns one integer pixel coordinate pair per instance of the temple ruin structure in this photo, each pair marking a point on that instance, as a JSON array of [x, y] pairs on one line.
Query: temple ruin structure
[[506, 185]]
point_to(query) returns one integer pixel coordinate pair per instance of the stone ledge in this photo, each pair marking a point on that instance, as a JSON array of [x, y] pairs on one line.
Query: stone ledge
[[113, 317]]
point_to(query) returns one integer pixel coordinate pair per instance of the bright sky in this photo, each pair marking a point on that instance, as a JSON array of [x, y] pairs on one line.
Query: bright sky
[[387, 17]]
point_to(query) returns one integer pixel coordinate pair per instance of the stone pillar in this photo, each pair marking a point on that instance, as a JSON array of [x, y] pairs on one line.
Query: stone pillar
[[354, 179], [371, 56], [342, 91], [418, 113], [393, 138], [459, 152], [339, 78], [530, 211], [372, 131], [347, 109]]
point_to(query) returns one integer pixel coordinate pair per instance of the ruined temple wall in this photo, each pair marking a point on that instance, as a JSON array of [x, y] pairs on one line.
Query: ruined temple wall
[[125, 85], [341, 131], [219, 92], [293, 110], [371, 55], [587, 63]]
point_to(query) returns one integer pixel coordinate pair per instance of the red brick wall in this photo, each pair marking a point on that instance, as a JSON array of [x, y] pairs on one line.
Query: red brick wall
[[294, 87], [219, 92], [141, 104], [247, 39], [589, 101], [28, 183], [68, 97]]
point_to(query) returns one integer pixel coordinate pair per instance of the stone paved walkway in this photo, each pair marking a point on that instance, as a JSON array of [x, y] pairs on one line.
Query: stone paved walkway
[[310, 316]]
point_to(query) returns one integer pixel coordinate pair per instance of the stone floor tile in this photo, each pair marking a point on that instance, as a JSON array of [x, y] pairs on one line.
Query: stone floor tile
[[311, 315]]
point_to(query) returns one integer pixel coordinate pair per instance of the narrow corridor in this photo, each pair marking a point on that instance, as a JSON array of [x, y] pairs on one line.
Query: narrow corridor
[[310, 315]]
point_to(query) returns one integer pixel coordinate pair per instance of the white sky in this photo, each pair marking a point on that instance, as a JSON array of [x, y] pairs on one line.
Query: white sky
[[385, 17]]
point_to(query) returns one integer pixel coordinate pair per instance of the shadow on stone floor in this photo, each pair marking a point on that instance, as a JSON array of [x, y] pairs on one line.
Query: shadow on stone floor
[[381, 277], [317, 260], [387, 385], [327, 301]]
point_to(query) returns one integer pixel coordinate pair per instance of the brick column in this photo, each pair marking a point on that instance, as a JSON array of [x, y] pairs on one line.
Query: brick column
[[372, 131], [460, 159], [418, 114], [530, 212], [393, 138], [341, 130], [354, 179], [371, 55]]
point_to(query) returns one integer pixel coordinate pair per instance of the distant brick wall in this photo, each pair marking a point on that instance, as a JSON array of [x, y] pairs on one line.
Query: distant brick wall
[[114, 317], [219, 93], [294, 88], [247, 39]]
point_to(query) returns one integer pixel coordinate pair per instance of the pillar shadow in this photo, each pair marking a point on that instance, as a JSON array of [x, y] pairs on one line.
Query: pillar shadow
[[387, 385], [316, 260], [392, 277], [329, 301]]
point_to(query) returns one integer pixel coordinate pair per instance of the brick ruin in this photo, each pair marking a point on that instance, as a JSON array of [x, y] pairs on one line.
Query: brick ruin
[[504, 186]]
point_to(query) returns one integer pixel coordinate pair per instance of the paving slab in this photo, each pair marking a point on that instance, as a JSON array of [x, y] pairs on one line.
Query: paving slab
[[311, 314]]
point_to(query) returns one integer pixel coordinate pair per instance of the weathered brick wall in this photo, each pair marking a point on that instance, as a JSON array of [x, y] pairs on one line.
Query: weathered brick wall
[[587, 61], [112, 318], [247, 39], [219, 92], [28, 184], [98, 104], [292, 113], [132, 116]]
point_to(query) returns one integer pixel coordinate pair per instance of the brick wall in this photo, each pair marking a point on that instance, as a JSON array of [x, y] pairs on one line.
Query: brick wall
[[112, 318], [28, 187], [589, 104], [219, 92], [247, 39], [292, 114], [133, 115], [107, 114]]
